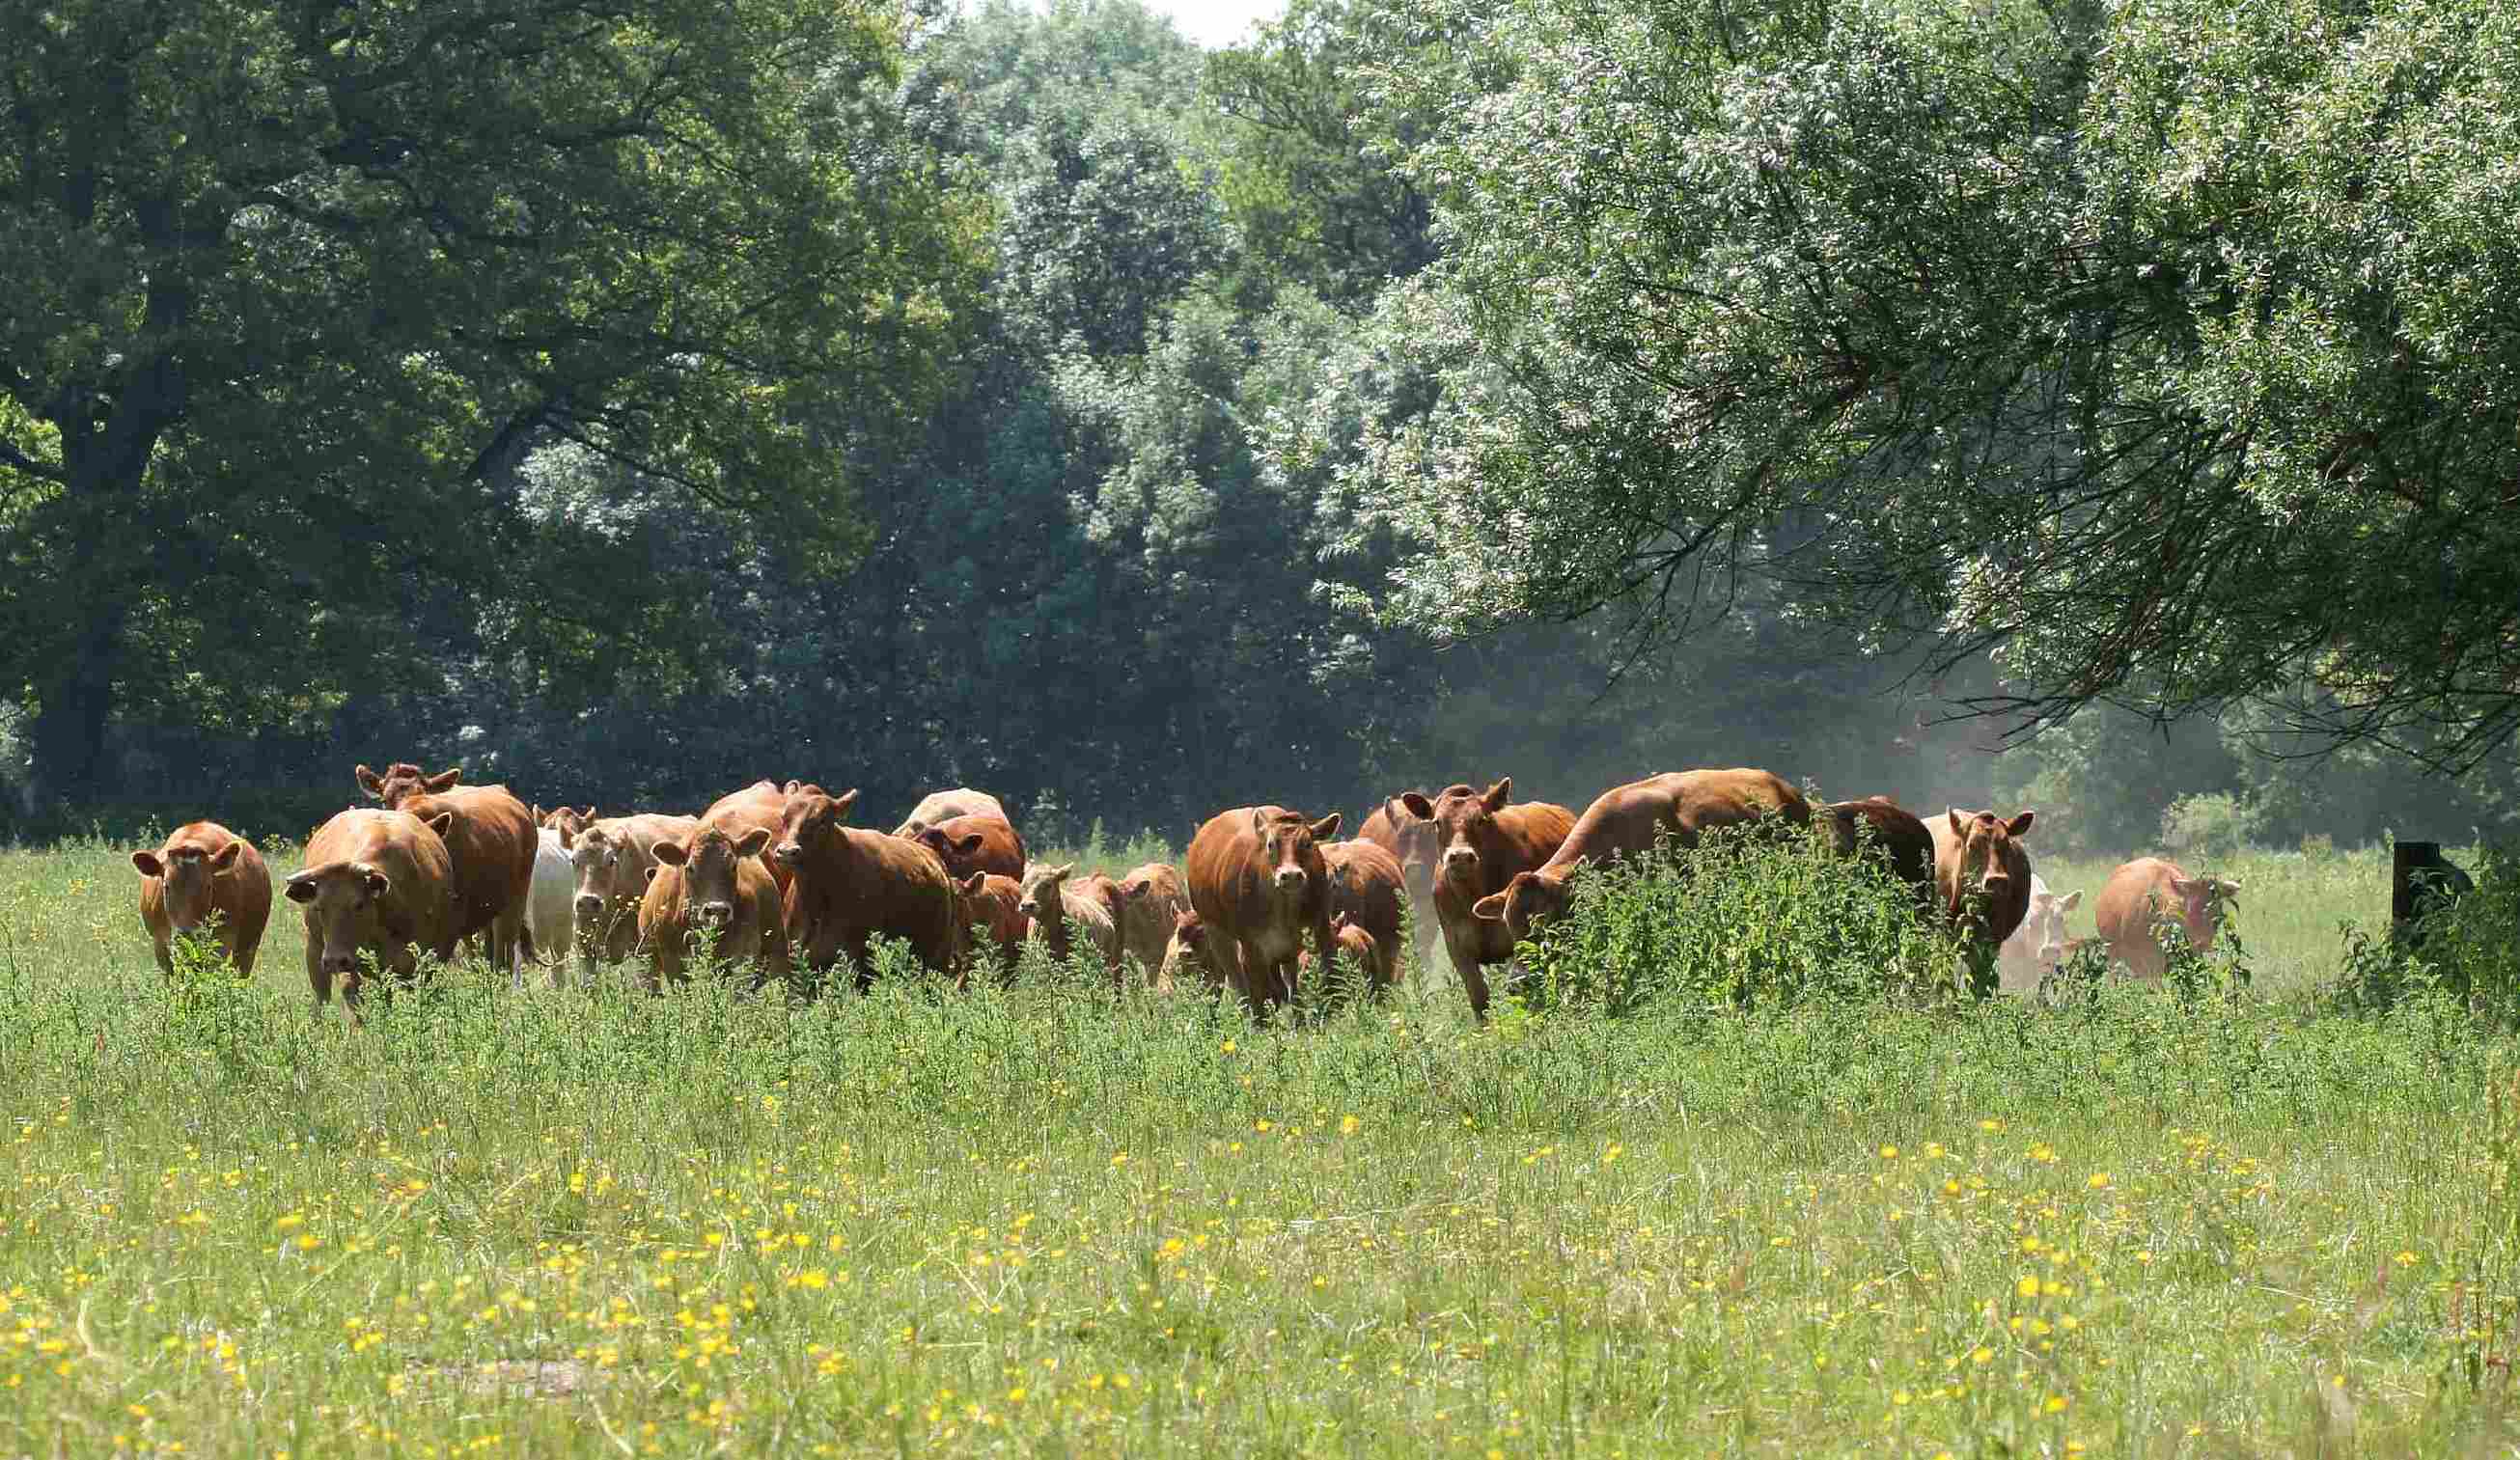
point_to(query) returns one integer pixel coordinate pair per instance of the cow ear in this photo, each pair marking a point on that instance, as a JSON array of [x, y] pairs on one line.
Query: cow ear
[[149, 864], [973, 885], [970, 843], [534, 809], [226, 857], [1959, 828], [669, 852], [1338, 920], [1259, 828], [2187, 887], [2070, 901], [2229, 887], [754, 843], [2019, 826], [568, 839], [1060, 873], [1327, 827], [301, 887], [652, 875], [789, 789], [443, 823], [377, 883], [1489, 909], [587, 814], [1415, 803], [1497, 795], [842, 803], [368, 781], [442, 782]]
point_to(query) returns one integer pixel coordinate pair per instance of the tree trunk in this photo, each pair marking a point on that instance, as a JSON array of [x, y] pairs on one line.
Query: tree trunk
[[75, 699]]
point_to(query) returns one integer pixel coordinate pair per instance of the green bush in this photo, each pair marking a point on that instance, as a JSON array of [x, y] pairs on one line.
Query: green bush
[[2214, 827], [2466, 950], [1747, 919]]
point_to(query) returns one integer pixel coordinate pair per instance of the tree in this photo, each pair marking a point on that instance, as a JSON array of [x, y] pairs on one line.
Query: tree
[[296, 290], [2162, 349]]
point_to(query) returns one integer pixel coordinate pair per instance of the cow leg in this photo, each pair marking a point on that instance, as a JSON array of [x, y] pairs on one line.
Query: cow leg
[[1472, 973]]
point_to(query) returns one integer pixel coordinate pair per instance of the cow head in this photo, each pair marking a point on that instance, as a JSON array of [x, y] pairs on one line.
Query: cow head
[[2199, 907], [345, 911], [711, 863], [403, 780], [1291, 849], [568, 820], [1187, 950], [1985, 860], [186, 866], [810, 823], [1042, 888], [1467, 836], [609, 867], [1528, 901], [2039, 942], [1416, 840], [949, 849]]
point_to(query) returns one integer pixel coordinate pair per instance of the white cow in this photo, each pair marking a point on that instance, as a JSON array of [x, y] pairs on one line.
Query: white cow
[[2038, 945], [551, 912]]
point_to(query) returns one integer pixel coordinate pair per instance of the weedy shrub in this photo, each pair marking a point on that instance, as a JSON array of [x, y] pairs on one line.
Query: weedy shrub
[[1747, 919], [2213, 827]]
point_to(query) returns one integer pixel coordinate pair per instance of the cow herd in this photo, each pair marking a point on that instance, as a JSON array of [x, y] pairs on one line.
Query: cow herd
[[777, 876]]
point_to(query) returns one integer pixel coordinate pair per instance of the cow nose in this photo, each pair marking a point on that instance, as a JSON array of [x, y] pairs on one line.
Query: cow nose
[[717, 914], [1459, 857], [339, 962], [1291, 876], [589, 908], [787, 852]]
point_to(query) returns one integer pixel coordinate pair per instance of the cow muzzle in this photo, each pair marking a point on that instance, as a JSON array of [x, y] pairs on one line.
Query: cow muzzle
[[715, 914], [589, 908], [1289, 879], [787, 853]]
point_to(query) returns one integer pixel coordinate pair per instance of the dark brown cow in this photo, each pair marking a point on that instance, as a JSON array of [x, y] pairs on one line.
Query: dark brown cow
[[1401, 827], [492, 843], [1369, 890], [970, 843], [377, 883], [1257, 880], [1977, 855], [2150, 888], [1628, 820], [712, 881], [1063, 910], [1149, 898], [1899, 837], [1187, 952], [989, 907], [849, 884], [1484, 841], [1370, 956], [613, 858], [939, 807], [205, 874]]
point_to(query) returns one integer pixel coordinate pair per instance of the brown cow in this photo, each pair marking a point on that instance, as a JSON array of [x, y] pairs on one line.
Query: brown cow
[[1899, 837], [712, 881], [568, 820], [2150, 889], [1368, 889], [1629, 820], [979, 843], [1258, 879], [1977, 853], [205, 874], [1149, 900], [377, 883], [940, 807], [613, 858], [403, 779], [1401, 827], [849, 884], [1483, 842], [1370, 956], [1187, 952], [493, 844], [1062, 914], [990, 905]]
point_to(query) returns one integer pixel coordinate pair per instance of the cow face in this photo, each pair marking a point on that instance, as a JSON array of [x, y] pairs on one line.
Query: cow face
[[2199, 907], [811, 822], [712, 866], [1291, 847], [1468, 837], [1044, 888], [403, 780], [186, 867], [608, 867], [344, 904], [570, 821], [2040, 940], [1985, 860], [1527, 902], [1416, 840]]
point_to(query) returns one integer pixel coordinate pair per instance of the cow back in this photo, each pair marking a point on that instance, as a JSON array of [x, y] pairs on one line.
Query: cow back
[[1899, 836], [868, 883], [939, 807], [492, 845]]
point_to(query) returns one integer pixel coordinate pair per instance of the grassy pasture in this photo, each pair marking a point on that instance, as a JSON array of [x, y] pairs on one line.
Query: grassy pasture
[[584, 1222]]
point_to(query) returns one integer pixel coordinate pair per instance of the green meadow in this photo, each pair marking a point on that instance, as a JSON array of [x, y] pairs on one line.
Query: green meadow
[[1049, 1219]]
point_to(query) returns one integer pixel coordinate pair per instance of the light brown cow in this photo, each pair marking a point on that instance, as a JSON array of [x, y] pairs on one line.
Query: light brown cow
[[492, 842], [977, 843], [939, 807], [849, 884], [1369, 890], [613, 858], [712, 881], [1149, 899], [1484, 840], [1402, 826], [1063, 914], [403, 779], [1629, 820], [380, 884], [568, 820], [1899, 837], [1978, 856], [2150, 888], [1188, 953], [205, 874], [1370, 958], [1258, 879], [991, 908]]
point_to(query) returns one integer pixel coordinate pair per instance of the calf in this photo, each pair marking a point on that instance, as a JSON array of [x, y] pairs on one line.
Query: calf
[[848, 884], [1189, 951], [205, 874], [2039, 945], [712, 882], [1629, 820], [613, 858], [1403, 826], [1484, 841], [1062, 915], [376, 884], [940, 807], [979, 843], [2150, 889], [1147, 901], [551, 913], [991, 906], [1368, 954], [1978, 859], [1367, 890], [1258, 879]]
